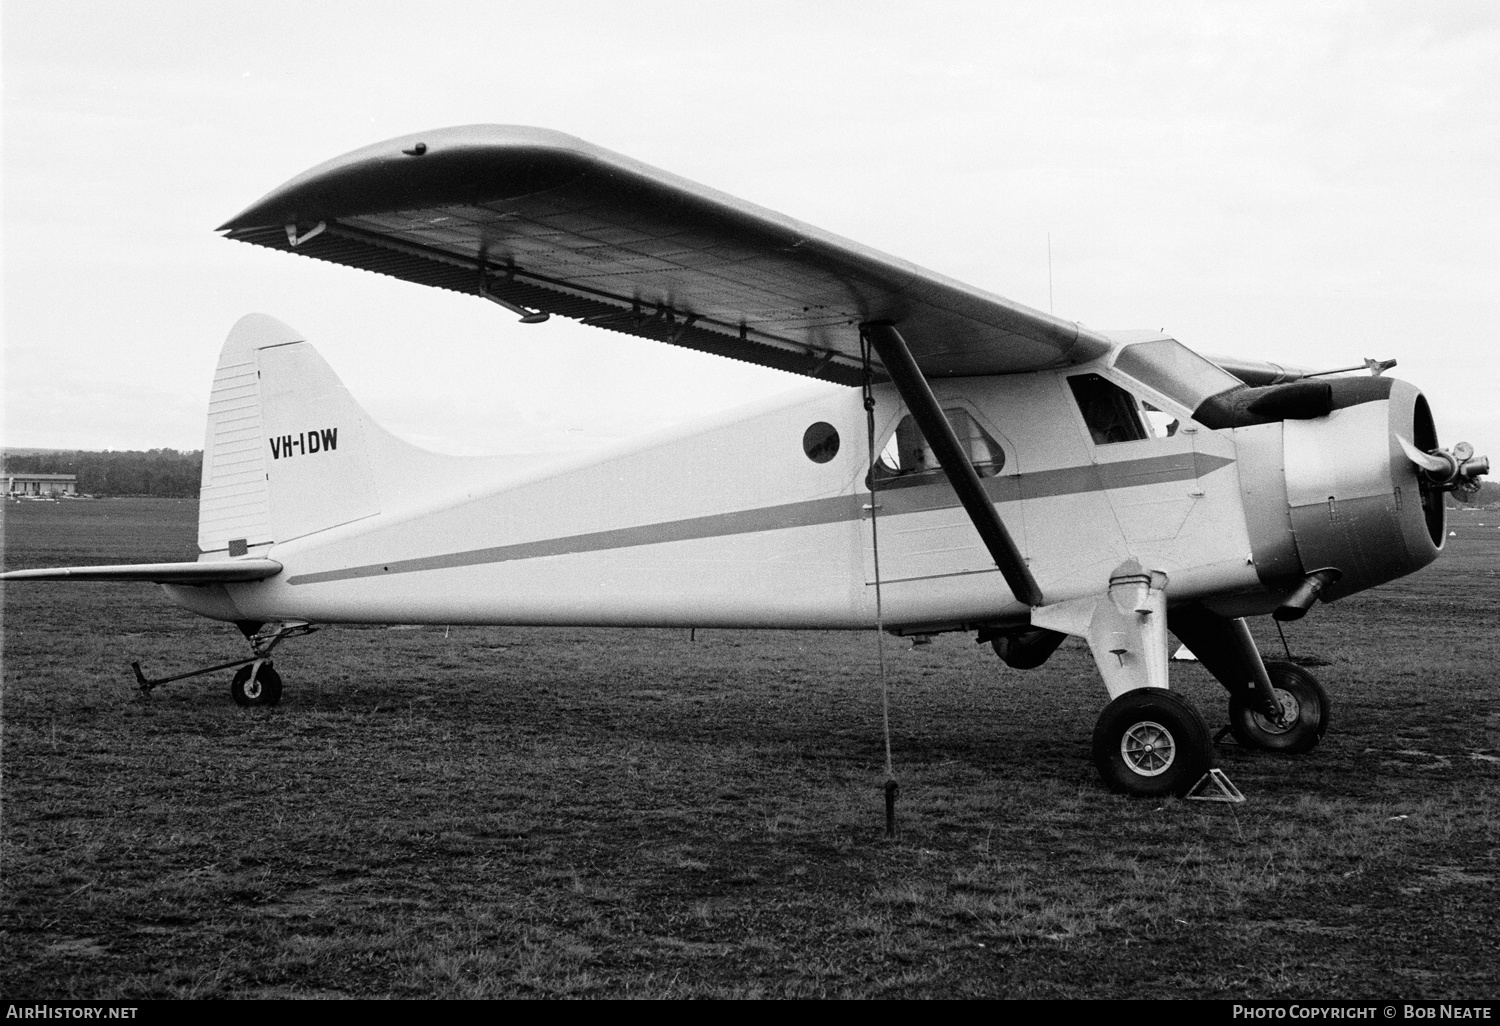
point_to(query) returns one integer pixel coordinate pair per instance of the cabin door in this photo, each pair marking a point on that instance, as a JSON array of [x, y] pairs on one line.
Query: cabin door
[[925, 537]]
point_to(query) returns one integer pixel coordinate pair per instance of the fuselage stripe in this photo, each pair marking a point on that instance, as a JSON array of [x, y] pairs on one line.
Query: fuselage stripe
[[812, 512]]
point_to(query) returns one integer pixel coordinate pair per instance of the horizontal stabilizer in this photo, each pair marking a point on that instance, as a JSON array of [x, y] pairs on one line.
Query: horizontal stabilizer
[[228, 571]]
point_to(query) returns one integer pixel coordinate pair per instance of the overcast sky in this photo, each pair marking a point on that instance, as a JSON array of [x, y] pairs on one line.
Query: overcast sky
[[1312, 183]]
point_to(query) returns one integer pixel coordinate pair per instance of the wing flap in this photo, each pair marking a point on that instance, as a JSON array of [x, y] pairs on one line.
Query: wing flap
[[425, 266], [548, 221], [232, 571]]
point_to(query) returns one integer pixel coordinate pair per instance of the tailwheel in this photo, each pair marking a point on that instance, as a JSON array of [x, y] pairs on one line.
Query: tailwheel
[[1304, 713], [256, 684], [1150, 743]]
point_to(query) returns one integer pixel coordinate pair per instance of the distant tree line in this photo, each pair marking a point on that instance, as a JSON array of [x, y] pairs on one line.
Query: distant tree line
[[173, 474], [1489, 495], [164, 472]]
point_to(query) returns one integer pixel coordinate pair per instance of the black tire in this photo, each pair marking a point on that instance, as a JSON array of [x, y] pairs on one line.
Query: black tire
[[1150, 743], [265, 689], [1304, 702]]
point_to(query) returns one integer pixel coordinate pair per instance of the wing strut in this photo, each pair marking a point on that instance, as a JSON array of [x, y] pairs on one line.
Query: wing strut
[[918, 396]]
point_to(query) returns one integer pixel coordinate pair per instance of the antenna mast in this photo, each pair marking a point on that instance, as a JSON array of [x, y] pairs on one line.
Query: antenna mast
[[1049, 272]]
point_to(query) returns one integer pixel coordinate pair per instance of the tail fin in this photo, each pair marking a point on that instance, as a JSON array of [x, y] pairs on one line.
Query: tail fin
[[287, 451]]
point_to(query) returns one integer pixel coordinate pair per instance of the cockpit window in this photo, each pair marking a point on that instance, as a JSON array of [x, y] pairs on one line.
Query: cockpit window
[[1175, 371], [908, 460], [1110, 412]]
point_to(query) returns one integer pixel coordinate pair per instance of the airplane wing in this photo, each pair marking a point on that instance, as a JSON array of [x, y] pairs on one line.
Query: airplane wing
[[543, 221], [224, 571]]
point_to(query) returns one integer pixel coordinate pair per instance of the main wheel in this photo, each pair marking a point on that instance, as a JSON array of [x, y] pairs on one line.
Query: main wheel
[[1304, 712], [1151, 743], [264, 689]]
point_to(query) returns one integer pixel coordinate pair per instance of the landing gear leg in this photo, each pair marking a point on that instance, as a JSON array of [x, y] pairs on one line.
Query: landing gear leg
[[1276, 707], [1226, 649], [258, 683], [1149, 741]]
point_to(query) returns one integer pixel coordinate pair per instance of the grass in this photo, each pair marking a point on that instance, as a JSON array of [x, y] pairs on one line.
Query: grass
[[497, 812]]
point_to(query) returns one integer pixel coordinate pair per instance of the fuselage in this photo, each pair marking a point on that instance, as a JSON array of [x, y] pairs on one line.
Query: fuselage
[[765, 518]]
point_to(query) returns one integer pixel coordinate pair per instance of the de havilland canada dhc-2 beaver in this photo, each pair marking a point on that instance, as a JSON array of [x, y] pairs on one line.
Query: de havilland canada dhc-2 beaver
[[989, 468]]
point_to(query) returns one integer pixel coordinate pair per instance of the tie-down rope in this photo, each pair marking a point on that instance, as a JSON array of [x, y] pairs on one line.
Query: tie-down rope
[[891, 786]]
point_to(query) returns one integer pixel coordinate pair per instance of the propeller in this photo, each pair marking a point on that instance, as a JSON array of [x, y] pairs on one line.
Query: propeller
[[1430, 462], [1457, 471]]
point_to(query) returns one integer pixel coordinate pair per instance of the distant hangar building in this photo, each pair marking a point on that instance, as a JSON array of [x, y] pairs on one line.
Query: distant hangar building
[[41, 484]]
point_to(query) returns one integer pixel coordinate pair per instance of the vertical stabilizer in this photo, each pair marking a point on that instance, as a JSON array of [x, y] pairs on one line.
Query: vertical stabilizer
[[286, 452]]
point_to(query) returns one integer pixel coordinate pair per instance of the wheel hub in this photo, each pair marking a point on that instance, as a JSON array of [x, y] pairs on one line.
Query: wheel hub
[[1147, 748], [1291, 710]]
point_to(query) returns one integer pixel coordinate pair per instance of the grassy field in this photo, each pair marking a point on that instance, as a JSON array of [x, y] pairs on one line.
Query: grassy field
[[501, 812]]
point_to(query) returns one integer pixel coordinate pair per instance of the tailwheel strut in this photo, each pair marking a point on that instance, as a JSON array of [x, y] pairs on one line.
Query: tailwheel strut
[[256, 682]]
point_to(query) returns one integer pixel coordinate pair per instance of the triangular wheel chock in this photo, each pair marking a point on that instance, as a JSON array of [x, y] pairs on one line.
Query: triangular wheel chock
[[1215, 787]]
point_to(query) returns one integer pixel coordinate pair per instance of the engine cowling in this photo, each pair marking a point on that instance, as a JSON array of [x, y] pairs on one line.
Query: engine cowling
[[1351, 499], [1357, 502]]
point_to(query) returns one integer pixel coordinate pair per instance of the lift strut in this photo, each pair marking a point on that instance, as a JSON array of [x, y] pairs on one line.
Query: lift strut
[[917, 394]]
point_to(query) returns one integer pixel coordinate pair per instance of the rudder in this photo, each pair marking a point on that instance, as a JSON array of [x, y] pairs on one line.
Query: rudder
[[286, 452]]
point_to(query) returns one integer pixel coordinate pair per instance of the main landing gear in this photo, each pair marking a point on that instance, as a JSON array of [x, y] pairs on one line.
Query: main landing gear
[[1152, 743], [1149, 741], [256, 682], [1302, 718], [1275, 707]]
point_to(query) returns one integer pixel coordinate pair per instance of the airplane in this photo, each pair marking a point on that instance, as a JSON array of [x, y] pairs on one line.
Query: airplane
[[988, 468]]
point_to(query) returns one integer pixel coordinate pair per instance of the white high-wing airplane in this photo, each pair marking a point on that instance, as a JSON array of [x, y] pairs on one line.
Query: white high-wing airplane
[[1029, 478]]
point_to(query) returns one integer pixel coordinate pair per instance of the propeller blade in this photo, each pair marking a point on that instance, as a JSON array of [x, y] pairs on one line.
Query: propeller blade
[[1427, 461]]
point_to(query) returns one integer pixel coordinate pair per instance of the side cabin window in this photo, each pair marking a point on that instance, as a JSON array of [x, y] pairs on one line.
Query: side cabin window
[[1161, 423], [1111, 413], [908, 460]]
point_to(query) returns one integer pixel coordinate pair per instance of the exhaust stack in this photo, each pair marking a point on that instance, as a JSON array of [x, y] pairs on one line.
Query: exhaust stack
[[1300, 601]]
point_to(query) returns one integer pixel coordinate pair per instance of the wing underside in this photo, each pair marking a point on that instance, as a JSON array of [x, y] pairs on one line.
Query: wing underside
[[548, 222]]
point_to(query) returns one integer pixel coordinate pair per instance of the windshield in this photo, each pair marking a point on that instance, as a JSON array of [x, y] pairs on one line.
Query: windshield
[[1175, 371]]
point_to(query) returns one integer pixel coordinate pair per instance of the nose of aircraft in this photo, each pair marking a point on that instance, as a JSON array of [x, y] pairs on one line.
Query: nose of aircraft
[[1366, 486]]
